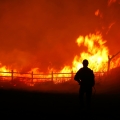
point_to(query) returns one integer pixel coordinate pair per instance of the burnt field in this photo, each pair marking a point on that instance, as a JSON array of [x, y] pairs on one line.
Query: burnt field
[[50, 101]]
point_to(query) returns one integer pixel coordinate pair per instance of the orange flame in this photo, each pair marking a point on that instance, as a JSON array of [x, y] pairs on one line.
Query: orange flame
[[97, 52]]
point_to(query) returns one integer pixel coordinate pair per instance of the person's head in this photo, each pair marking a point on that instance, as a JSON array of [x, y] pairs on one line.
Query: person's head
[[85, 63]]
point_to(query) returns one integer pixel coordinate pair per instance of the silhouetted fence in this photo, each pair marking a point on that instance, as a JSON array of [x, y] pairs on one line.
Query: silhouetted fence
[[33, 77]]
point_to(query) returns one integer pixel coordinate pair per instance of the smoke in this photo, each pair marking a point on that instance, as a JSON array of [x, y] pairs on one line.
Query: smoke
[[109, 24], [42, 33]]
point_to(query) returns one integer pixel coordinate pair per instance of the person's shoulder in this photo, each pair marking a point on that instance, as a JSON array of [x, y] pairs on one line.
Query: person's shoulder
[[90, 69], [80, 69]]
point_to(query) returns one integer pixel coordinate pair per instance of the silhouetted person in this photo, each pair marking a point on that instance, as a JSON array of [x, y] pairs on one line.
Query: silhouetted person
[[85, 78]]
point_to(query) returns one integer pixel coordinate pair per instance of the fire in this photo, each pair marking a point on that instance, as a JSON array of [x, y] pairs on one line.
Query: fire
[[5, 71], [95, 51]]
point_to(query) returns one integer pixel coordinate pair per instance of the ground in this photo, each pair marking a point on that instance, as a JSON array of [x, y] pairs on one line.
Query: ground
[[16, 104]]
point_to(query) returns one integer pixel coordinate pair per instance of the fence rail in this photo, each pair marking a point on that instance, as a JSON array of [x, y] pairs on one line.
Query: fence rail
[[33, 77]]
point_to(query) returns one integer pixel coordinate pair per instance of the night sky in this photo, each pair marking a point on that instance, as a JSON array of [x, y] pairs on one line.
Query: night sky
[[42, 33]]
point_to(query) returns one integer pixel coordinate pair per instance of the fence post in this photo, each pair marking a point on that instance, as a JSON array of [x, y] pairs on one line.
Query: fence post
[[12, 75], [72, 76], [52, 76], [32, 76]]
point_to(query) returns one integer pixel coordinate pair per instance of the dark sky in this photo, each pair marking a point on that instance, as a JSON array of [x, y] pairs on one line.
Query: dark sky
[[42, 33]]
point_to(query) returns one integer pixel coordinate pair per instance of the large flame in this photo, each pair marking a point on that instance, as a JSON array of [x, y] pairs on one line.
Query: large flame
[[95, 51]]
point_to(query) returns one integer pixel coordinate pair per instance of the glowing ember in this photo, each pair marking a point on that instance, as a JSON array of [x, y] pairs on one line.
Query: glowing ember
[[97, 12]]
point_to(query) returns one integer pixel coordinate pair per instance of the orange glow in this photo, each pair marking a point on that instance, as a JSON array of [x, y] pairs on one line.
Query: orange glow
[[97, 12]]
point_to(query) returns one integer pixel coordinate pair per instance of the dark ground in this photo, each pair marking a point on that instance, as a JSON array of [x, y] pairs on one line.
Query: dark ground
[[16, 104], [20, 101]]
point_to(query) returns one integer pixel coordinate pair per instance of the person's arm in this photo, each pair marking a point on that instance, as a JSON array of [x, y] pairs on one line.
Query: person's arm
[[93, 82], [77, 77]]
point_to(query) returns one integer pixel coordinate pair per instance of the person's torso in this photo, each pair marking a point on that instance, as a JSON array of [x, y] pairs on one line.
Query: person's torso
[[86, 76]]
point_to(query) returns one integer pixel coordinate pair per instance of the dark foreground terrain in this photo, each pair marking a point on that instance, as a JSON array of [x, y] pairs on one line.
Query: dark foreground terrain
[[15, 104], [60, 101]]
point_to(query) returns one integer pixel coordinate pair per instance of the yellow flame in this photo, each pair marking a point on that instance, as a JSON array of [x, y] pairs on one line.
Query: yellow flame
[[97, 52]]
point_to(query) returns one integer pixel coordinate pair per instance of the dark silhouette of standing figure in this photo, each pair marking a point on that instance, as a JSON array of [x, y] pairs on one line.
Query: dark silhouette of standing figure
[[85, 78]]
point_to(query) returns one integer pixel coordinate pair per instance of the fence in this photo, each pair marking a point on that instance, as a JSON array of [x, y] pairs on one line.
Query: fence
[[32, 77]]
